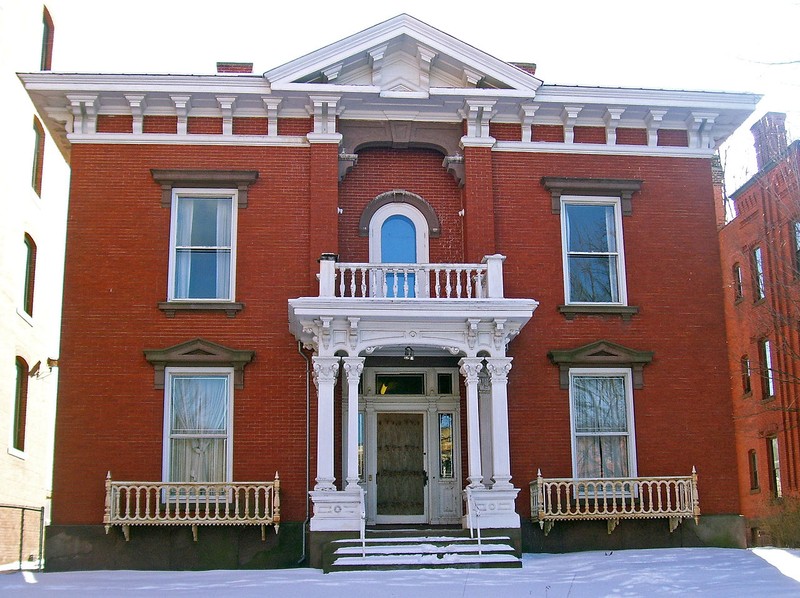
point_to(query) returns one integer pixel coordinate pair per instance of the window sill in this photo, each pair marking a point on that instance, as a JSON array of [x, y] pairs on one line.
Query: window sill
[[25, 316], [748, 394], [16, 453], [624, 311], [755, 490], [230, 308]]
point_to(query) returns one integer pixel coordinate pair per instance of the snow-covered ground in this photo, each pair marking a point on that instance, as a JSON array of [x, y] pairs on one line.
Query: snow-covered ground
[[666, 572]]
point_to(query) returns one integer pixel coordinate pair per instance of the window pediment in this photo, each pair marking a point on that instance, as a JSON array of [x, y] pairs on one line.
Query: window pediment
[[198, 353], [601, 353]]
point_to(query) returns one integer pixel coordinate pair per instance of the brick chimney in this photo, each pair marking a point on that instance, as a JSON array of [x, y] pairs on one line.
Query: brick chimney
[[245, 68], [769, 135]]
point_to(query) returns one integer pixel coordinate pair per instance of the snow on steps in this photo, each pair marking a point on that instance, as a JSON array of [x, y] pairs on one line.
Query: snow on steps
[[424, 552]]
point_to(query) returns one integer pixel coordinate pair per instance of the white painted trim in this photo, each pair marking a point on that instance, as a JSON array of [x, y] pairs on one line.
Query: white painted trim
[[423, 33], [401, 209], [177, 193], [537, 147], [175, 139], [610, 372], [168, 373], [616, 202]]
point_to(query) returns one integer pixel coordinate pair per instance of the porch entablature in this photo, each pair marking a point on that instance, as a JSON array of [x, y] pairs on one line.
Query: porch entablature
[[360, 326]]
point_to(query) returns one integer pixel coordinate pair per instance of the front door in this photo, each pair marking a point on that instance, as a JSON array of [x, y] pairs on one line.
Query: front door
[[409, 445], [401, 476]]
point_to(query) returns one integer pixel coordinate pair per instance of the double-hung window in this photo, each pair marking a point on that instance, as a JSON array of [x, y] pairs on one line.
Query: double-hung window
[[767, 375], [601, 404], [198, 425], [203, 245], [757, 264], [594, 264]]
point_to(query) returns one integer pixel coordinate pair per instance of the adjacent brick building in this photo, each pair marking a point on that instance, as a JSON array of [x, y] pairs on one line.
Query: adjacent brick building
[[760, 252], [428, 214]]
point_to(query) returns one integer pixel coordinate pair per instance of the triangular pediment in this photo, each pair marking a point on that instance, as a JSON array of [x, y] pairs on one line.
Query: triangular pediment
[[402, 55], [198, 353], [601, 354]]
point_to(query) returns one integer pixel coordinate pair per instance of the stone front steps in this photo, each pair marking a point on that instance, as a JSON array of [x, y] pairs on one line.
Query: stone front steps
[[391, 551]]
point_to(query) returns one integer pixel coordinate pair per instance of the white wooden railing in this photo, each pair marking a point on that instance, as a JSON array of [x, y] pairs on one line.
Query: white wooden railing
[[193, 504], [473, 518], [567, 499], [406, 281]]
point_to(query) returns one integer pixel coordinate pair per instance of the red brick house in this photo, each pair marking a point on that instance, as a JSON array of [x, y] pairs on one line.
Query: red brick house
[[486, 277], [760, 257]]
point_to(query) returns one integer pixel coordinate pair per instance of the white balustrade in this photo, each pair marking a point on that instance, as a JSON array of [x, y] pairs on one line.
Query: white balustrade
[[612, 499], [194, 504], [403, 281]]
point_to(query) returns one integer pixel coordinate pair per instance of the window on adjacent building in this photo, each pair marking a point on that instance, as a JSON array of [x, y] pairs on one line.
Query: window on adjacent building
[[48, 33], [601, 403], [746, 386], [796, 246], [773, 457], [752, 460], [30, 275], [757, 265], [767, 375], [20, 405], [203, 248], [198, 425], [594, 268], [38, 156], [738, 287]]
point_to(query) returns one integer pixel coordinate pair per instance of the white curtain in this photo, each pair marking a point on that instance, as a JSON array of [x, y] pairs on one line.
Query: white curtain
[[601, 426], [199, 429]]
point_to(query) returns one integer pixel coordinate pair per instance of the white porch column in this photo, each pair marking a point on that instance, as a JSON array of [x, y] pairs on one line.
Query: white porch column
[[325, 372], [353, 366], [485, 411], [470, 367], [501, 461]]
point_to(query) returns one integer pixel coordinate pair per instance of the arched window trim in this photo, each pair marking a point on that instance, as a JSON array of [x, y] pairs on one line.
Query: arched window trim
[[400, 196], [398, 209]]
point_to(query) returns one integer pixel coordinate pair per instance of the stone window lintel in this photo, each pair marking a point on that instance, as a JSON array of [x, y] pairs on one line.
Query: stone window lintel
[[622, 188], [223, 179]]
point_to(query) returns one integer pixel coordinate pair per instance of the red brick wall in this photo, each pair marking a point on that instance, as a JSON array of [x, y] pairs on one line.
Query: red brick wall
[[554, 133], [590, 134], [683, 413], [419, 171], [203, 125], [160, 124], [628, 136], [116, 273], [250, 126], [668, 137], [117, 257], [112, 123]]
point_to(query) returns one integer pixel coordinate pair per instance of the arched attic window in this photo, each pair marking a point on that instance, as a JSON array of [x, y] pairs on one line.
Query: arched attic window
[[399, 225]]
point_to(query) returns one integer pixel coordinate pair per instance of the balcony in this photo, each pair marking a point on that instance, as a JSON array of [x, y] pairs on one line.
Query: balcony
[[613, 499], [192, 504], [439, 309], [411, 281]]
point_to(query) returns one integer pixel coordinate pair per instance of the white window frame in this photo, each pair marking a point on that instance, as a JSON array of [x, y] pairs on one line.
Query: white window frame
[[767, 375], [170, 373], [382, 214], [616, 203], [177, 195], [631, 433]]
